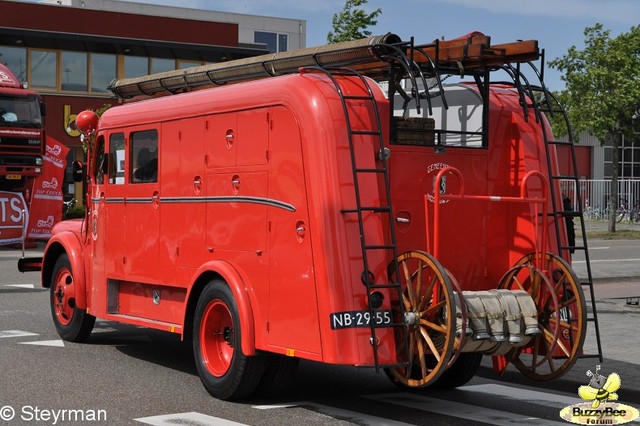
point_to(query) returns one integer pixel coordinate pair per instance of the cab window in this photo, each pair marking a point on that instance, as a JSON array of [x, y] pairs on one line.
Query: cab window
[[116, 158], [101, 162], [144, 156]]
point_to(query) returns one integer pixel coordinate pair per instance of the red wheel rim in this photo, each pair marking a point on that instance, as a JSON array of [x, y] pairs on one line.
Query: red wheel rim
[[217, 338], [64, 296]]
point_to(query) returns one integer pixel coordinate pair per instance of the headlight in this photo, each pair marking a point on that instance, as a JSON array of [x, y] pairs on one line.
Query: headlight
[[38, 161]]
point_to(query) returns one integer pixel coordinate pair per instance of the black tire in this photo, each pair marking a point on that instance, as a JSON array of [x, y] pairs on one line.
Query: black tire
[[279, 373], [462, 370], [224, 370], [72, 324]]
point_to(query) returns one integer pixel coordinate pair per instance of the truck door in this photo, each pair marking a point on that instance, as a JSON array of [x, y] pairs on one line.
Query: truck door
[[107, 217], [182, 220], [142, 208], [293, 310]]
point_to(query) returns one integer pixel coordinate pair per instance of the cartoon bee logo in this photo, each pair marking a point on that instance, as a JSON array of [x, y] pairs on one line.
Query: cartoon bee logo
[[600, 388]]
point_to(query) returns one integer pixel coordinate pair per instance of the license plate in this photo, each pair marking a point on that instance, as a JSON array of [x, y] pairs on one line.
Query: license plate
[[13, 176], [352, 319]]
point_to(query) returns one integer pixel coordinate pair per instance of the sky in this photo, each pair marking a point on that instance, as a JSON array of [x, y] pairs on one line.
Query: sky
[[556, 24]]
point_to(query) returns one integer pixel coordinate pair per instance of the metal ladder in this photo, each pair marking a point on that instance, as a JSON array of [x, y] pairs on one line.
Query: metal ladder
[[384, 210], [550, 105]]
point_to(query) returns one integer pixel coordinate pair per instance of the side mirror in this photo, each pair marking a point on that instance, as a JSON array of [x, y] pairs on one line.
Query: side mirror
[[77, 171], [43, 109]]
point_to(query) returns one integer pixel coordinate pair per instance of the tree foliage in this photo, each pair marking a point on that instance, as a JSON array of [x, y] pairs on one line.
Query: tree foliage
[[602, 94], [352, 22], [602, 82]]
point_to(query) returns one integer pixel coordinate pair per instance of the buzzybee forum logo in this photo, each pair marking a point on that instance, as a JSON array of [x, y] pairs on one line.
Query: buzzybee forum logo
[[600, 406]]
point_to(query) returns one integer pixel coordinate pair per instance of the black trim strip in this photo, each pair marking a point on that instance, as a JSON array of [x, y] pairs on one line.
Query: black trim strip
[[189, 200]]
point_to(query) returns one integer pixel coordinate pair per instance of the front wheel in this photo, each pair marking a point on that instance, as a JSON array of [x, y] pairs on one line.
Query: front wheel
[[225, 371], [73, 324]]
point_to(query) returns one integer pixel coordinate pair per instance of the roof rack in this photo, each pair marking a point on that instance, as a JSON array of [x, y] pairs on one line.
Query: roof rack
[[339, 54], [369, 56]]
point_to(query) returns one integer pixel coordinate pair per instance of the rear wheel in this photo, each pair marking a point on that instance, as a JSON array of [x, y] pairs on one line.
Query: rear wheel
[[279, 373], [72, 324], [460, 372], [429, 313], [225, 371], [561, 307]]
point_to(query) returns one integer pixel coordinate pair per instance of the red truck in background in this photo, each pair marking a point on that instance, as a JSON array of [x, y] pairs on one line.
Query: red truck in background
[[22, 145], [21, 132]]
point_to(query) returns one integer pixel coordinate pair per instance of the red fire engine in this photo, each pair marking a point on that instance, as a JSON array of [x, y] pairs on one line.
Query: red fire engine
[[351, 209], [21, 132]]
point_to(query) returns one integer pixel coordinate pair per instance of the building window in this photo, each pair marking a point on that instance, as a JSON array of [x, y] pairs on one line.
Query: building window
[[135, 66], [162, 65], [43, 67], [74, 71], [188, 64], [15, 58], [283, 42], [629, 158], [275, 42], [103, 71]]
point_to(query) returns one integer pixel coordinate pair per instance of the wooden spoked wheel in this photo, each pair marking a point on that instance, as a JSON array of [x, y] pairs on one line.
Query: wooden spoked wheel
[[561, 315], [461, 313], [428, 311]]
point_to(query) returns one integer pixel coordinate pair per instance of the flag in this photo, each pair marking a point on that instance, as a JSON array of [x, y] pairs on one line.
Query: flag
[[46, 195]]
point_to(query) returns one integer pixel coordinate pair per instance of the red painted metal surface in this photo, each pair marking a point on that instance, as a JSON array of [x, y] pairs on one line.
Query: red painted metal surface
[[252, 181]]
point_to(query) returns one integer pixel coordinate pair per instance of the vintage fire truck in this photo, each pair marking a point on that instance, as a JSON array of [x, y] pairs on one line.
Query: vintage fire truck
[[375, 203]]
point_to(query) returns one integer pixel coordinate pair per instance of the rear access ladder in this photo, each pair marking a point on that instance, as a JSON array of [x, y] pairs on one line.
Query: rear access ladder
[[542, 101], [383, 210]]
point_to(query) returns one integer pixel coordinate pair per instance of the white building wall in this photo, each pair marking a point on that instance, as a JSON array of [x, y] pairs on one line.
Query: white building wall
[[295, 29]]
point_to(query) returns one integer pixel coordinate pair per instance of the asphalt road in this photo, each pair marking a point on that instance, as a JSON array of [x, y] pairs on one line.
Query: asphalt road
[[129, 375]]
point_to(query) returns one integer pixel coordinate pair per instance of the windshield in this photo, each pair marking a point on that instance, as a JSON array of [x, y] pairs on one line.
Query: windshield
[[20, 111]]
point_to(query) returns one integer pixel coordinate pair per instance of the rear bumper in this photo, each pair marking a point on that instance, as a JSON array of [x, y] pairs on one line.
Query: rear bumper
[[29, 264]]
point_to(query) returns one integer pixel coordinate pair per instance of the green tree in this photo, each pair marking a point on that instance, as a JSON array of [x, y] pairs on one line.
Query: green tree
[[352, 22], [602, 92]]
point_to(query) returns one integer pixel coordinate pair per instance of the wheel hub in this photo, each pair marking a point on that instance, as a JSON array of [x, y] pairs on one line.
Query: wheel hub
[[411, 318], [227, 335]]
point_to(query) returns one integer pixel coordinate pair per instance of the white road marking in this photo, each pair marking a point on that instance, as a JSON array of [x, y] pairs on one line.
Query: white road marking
[[462, 411], [20, 285], [190, 419], [347, 415], [607, 260], [527, 395], [54, 343], [15, 333]]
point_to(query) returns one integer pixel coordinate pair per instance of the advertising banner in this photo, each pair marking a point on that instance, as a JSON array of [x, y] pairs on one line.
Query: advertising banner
[[46, 195], [12, 205]]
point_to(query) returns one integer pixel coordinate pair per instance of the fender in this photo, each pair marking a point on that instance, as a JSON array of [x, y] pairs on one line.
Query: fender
[[66, 241], [235, 282]]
